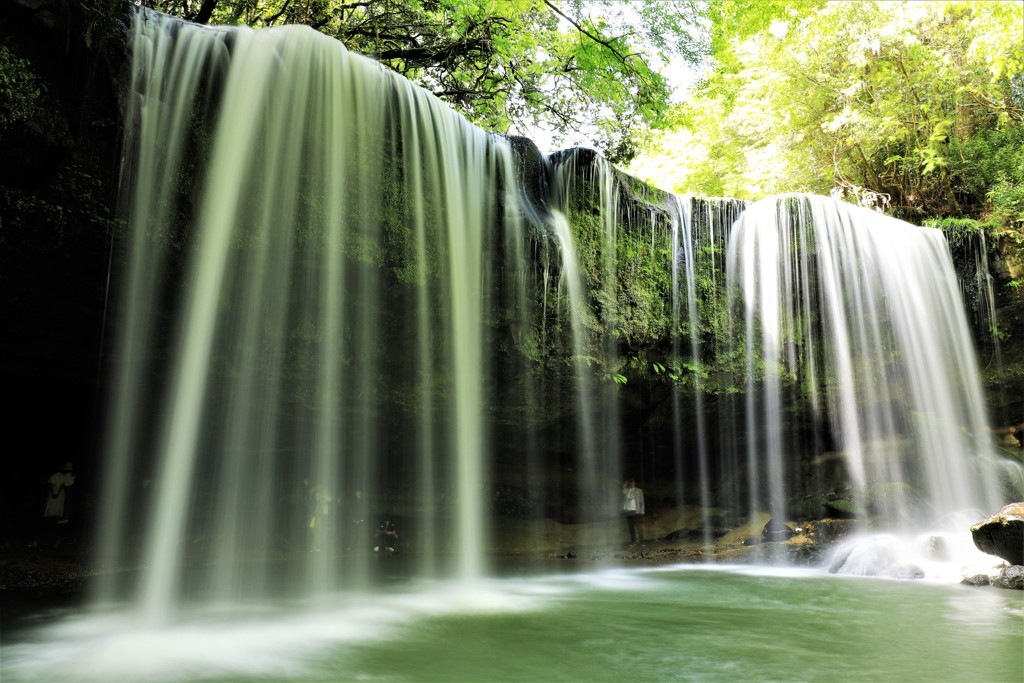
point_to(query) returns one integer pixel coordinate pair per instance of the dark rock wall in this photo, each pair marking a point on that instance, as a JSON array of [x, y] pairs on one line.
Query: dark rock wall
[[59, 162]]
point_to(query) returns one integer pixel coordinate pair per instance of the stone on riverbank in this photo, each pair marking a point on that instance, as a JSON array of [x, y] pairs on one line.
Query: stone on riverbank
[[977, 580], [1011, 577]]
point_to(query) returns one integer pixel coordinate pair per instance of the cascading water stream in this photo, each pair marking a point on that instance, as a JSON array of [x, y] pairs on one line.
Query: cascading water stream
[[597, 425], [346, 244], [700, 231], [312, 237], [969, 250], [859, 314], [682, 251]]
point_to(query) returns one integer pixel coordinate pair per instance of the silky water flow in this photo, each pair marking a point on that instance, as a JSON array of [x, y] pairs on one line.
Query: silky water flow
[[329, 256], [597, 424], [864, 311], [316, 348]]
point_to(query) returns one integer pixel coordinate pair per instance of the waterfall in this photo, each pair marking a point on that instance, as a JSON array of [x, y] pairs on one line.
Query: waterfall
[[700, 233], [580, 173], [855, 317], [343, 309], [969, 250], [302, 322], [340, 308]]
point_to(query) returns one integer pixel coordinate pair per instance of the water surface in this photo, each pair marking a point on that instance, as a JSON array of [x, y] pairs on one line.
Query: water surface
[[665, 624]]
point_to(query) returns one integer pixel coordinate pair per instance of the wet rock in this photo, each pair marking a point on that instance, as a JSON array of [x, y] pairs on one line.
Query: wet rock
[[533, 176], [683, 534], [874, 556], [1002, 534], [776, 532], [514, 502], [938, 549], [842, 508], [906, 571], [1010, 577], [825, 532], [801, 550], [977, 580]]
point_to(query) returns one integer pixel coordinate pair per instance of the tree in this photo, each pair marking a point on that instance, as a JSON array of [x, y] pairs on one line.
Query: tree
[[582, 69], [918, 106]]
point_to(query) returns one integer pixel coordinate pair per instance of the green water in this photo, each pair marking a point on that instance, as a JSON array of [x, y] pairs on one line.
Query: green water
[[672, 624], [697, 625]]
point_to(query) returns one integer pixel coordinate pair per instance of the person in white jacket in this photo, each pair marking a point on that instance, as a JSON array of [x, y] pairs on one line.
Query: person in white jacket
[[633, 509], [58, 482]]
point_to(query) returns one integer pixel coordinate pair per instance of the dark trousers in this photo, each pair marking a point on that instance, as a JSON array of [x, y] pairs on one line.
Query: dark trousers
[[636, 530]]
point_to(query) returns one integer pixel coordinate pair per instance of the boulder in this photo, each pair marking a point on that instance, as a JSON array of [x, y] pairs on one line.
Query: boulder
[[826, 532], [938, 549], [874, 556], [1010, 577], [1002, 534], [775, 531], [842, 508], [977, 580]]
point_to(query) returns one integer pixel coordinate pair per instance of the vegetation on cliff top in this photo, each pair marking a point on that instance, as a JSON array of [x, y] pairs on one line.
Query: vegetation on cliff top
[[917, 108], [567, 66]]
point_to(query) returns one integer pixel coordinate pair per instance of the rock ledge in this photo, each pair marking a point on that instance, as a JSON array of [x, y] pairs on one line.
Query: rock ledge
[[1002, 534]]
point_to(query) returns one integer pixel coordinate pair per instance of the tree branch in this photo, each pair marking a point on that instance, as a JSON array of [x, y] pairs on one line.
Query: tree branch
[[600, 41], [205, 12], [271, 20], [437, 55]]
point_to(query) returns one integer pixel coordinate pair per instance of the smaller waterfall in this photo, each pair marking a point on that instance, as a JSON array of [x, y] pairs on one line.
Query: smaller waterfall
[[577, 308], [700, 232], [969, 250], [856, 317], [683, 253], [592, 316]]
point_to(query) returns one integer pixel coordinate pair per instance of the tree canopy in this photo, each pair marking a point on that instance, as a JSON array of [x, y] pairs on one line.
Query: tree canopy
[[586, 70], [914, 106]]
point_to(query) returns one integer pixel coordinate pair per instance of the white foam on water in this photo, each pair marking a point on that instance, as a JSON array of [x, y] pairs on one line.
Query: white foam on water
[[942, 557], [278, 642]]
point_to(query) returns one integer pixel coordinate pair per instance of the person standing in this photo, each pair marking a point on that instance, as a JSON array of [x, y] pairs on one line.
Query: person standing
[[57, 498], [320, 509], [387, 537], [53, 527], [633, 509]]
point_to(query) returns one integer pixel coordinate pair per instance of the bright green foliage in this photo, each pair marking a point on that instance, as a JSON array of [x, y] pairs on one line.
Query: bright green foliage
[[916, 106], [574, 67], [956, 229]]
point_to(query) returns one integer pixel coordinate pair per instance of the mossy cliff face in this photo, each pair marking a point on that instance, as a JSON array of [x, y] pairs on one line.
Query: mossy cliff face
[[627, 238], [989, 261], [666, 369], [656, 346]]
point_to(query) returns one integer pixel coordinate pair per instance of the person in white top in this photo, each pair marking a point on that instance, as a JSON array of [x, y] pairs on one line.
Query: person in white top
[[633, 509], [58, 481]]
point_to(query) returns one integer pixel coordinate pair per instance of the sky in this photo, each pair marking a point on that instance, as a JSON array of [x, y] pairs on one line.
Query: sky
[[680, 74]]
